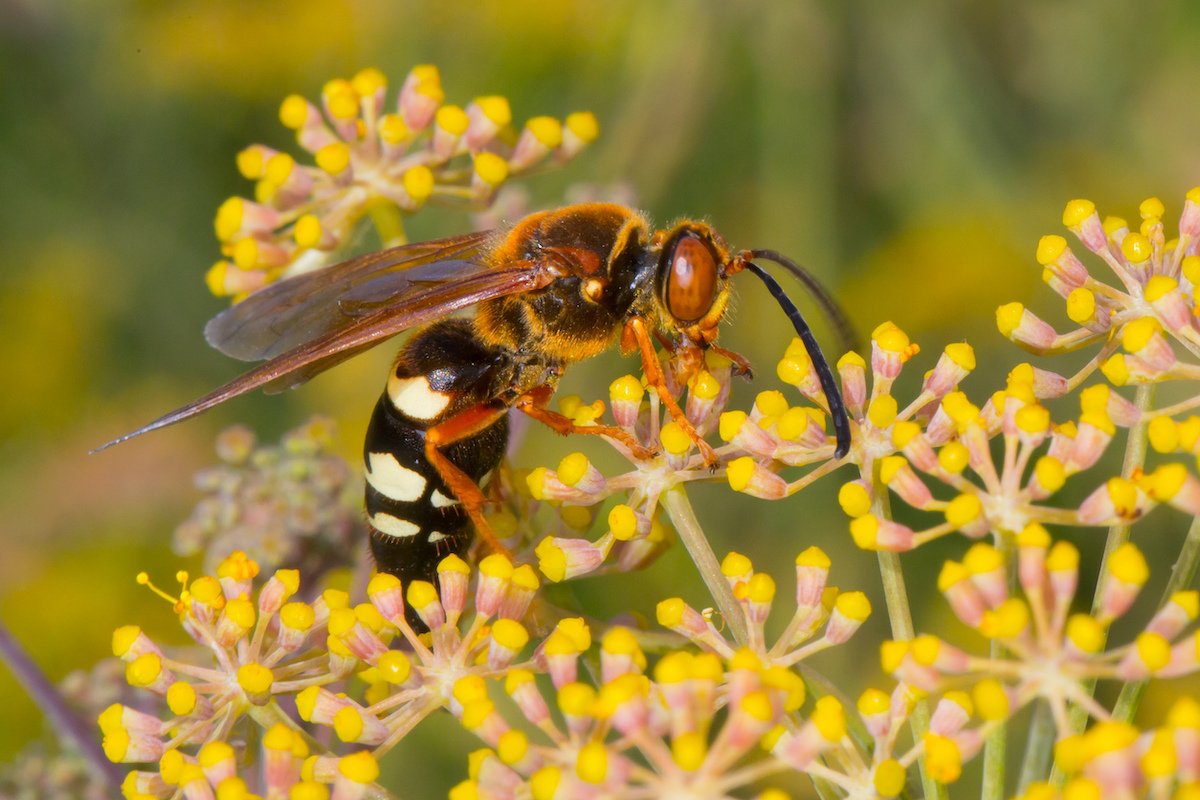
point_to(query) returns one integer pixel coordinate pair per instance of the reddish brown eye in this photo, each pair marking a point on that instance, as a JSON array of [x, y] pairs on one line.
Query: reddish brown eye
[[692, 281]]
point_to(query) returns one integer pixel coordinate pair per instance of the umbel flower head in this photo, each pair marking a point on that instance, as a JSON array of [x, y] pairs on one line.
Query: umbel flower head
[[1153, 304], [817, 605], [377, 152], [1048, 652], [275, 645], [285, 768], [943, 435], [695, 726], [633, 735], [1115, 760]]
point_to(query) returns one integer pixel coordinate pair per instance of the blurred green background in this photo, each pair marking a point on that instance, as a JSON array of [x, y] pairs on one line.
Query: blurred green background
[[910, 153]]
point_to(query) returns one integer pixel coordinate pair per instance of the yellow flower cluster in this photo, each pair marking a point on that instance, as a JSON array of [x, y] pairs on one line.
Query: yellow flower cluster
[[379, 157]]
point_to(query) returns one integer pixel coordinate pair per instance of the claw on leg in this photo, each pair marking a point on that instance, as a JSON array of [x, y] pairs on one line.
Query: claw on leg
[[741, 367]]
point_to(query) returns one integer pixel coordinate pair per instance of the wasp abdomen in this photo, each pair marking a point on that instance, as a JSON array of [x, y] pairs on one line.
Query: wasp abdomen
[[416, 520]]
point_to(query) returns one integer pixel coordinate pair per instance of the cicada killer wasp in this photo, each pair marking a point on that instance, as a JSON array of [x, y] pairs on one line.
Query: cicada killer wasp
[[555, 288]]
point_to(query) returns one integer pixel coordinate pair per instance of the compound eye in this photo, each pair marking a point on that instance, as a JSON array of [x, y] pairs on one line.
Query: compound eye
[[692, 281]]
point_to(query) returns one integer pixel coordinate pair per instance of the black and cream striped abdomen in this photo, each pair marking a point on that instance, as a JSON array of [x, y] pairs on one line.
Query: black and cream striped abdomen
[[415, 518]]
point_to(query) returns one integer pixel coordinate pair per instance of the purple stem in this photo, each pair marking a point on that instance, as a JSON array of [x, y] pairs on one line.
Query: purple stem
[[65, 721]]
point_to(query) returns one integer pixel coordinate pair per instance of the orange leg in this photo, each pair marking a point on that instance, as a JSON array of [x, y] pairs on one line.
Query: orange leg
[[459, 427], [636, 327], [534, 403]]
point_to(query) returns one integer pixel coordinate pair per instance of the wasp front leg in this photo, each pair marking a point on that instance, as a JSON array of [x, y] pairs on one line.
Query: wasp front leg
[[534, 404], [636, 330]]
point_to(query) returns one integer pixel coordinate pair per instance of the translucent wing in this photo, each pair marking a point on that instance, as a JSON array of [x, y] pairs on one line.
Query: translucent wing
[[291, 312], [448, 287]]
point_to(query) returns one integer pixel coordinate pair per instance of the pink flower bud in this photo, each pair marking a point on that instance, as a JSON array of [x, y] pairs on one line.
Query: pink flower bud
[[750, 477], [531, 702], [1176, 615], [420, 97], [358, 639], [908, 486], [1069, 269], [1117, 500], [1189, 220], [948, 718], [812, 571], [885, 363], [852, 371], [1185, 659], [1091, 440], [920, 453], [1025, 328], [955, 363], [1083, 221], [940, 429]]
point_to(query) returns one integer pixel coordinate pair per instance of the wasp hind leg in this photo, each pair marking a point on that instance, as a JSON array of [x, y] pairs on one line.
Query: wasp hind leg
[[461, 426], [436, 434]]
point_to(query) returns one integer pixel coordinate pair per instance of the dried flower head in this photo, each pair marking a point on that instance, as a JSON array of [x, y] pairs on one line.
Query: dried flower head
[[295, 504]]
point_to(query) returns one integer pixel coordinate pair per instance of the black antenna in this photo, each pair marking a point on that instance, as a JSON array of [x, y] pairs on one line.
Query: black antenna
[[847, 335], [837, 408]]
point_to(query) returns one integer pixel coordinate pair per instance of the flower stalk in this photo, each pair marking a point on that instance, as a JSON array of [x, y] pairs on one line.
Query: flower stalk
[[1181, 577], [683, 517], [1135, 457]]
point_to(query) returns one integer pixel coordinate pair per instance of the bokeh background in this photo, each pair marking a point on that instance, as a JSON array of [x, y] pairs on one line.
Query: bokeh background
[[909, 153]]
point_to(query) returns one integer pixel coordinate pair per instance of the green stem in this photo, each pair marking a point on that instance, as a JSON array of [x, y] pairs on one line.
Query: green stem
[[684, 519], [1135, 457], [1181, 577], [1040, 748], [996, 747], [900, 616], [389, 222]]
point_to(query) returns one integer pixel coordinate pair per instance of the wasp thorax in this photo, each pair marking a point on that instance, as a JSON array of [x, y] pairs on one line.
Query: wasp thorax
[[692, 280]]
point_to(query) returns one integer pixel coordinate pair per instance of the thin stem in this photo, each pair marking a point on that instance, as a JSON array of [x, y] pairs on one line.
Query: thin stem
[[1135, 457], [900, 616], [684, 519], [389, 222], [996, 746], [1042, 730], [1181, 577], [66, 723]]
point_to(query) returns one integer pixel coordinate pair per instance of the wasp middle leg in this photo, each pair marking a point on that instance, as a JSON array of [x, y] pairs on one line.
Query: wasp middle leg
[[533, 403]]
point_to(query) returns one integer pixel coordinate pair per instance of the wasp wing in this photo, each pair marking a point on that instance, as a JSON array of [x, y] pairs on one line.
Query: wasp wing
[[286, 314], [420, 303]]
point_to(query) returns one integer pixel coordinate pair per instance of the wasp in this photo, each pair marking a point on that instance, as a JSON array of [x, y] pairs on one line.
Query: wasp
[[553, 289]]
